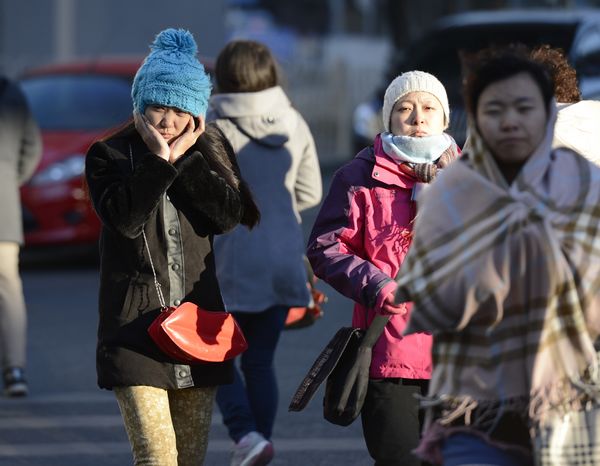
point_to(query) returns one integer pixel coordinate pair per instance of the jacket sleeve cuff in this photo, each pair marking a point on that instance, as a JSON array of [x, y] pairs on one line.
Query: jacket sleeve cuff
[[388, 288]]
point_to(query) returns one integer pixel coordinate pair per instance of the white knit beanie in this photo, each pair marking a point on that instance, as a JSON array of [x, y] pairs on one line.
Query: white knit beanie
[[413, 81]]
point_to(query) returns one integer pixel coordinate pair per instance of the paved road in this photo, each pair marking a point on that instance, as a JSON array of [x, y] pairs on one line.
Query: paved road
[[67, 421]]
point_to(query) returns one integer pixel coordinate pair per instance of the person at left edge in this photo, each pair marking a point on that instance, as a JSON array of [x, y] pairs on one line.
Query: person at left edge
[[19, 156], [170, 177]]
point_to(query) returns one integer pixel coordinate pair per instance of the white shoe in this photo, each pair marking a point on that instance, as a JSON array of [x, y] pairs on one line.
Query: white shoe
[[252, 450]]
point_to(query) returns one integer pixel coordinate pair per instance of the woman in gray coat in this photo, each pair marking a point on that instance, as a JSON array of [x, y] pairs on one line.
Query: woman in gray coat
[[261, 272]]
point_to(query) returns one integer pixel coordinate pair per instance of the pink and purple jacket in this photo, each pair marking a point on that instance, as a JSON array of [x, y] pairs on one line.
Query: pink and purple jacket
[[357, 245]]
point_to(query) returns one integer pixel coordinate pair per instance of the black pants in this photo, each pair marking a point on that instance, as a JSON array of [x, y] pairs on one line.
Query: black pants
[[391, 420]]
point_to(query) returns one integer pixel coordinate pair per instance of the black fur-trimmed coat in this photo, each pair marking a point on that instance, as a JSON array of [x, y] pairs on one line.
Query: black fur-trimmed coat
[[126, 201]]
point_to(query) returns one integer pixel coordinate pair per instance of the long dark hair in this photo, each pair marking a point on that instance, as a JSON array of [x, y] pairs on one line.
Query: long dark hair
[[245, 66], [221, 158]]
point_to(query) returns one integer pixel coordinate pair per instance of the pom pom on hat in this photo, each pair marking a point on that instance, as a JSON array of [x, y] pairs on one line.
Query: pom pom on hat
[[175, 40], [413, 81], [171, 75]]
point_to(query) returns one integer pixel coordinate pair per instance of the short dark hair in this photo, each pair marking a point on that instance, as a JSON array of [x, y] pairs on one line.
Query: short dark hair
[[245, 66], [498, 63], [566, 87]]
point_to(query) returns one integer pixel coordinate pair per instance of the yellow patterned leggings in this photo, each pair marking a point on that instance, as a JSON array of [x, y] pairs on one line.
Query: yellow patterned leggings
[[166, 427]]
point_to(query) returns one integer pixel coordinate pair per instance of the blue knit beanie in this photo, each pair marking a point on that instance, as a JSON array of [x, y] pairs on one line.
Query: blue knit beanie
[[172, 76]]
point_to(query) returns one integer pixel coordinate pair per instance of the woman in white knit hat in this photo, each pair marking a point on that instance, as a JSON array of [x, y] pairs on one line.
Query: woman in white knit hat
[[359, 241]]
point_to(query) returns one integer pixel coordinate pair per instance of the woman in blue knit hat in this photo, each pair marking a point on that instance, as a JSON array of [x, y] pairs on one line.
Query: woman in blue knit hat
[[162, 187]]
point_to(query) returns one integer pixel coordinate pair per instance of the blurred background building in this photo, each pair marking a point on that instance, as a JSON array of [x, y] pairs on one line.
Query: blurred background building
[[337, 56], [334, 52], [38, 32], [339, 53]]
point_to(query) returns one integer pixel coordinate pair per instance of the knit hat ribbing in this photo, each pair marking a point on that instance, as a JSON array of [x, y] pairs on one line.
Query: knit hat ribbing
[[172, 76], [413, 81]]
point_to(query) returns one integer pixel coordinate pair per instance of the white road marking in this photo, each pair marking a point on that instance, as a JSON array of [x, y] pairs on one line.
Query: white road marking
[[14, 416], [214, 446]]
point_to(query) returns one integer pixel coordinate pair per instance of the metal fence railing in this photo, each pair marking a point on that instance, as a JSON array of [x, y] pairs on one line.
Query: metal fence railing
[[326, 96]]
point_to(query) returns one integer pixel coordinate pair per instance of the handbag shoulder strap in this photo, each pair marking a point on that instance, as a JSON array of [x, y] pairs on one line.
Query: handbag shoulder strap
[[161, 298], [375, 330]]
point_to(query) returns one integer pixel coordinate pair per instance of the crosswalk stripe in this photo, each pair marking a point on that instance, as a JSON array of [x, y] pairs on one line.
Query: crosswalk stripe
[[45, 422], [15, 415], [71, 421], [73, 397], [64, 449], [214, 446]]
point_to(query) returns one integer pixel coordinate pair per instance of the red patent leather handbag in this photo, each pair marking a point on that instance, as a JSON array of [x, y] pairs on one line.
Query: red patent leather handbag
[[190, 334]]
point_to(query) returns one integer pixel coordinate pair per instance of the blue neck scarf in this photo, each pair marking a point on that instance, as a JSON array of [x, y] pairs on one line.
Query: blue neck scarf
[[415, 150]]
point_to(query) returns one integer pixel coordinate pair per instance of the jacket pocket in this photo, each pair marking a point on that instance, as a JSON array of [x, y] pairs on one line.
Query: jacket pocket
[[391, 219], [136, 300]]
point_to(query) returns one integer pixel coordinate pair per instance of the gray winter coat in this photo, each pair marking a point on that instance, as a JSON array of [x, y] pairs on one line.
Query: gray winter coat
[[263, 267], [20, 153]]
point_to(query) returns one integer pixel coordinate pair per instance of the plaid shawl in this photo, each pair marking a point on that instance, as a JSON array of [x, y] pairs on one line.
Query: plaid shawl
[[507, 278]]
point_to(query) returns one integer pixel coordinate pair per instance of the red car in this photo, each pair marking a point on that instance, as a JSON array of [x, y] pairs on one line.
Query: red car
[[75, 105]]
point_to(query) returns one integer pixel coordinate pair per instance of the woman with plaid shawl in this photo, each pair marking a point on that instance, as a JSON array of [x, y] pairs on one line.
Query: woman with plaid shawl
[[504, 271]]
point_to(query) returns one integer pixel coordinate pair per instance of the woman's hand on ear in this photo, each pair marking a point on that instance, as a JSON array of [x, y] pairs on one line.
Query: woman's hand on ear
[[155, 142], [188, 138]]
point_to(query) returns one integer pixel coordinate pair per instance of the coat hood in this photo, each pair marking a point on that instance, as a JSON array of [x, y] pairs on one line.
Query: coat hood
[[577, 128], [265, 116]]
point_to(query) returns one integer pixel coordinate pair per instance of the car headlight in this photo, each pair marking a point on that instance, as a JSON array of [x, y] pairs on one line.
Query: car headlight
[[58, 172], [366, 120]]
